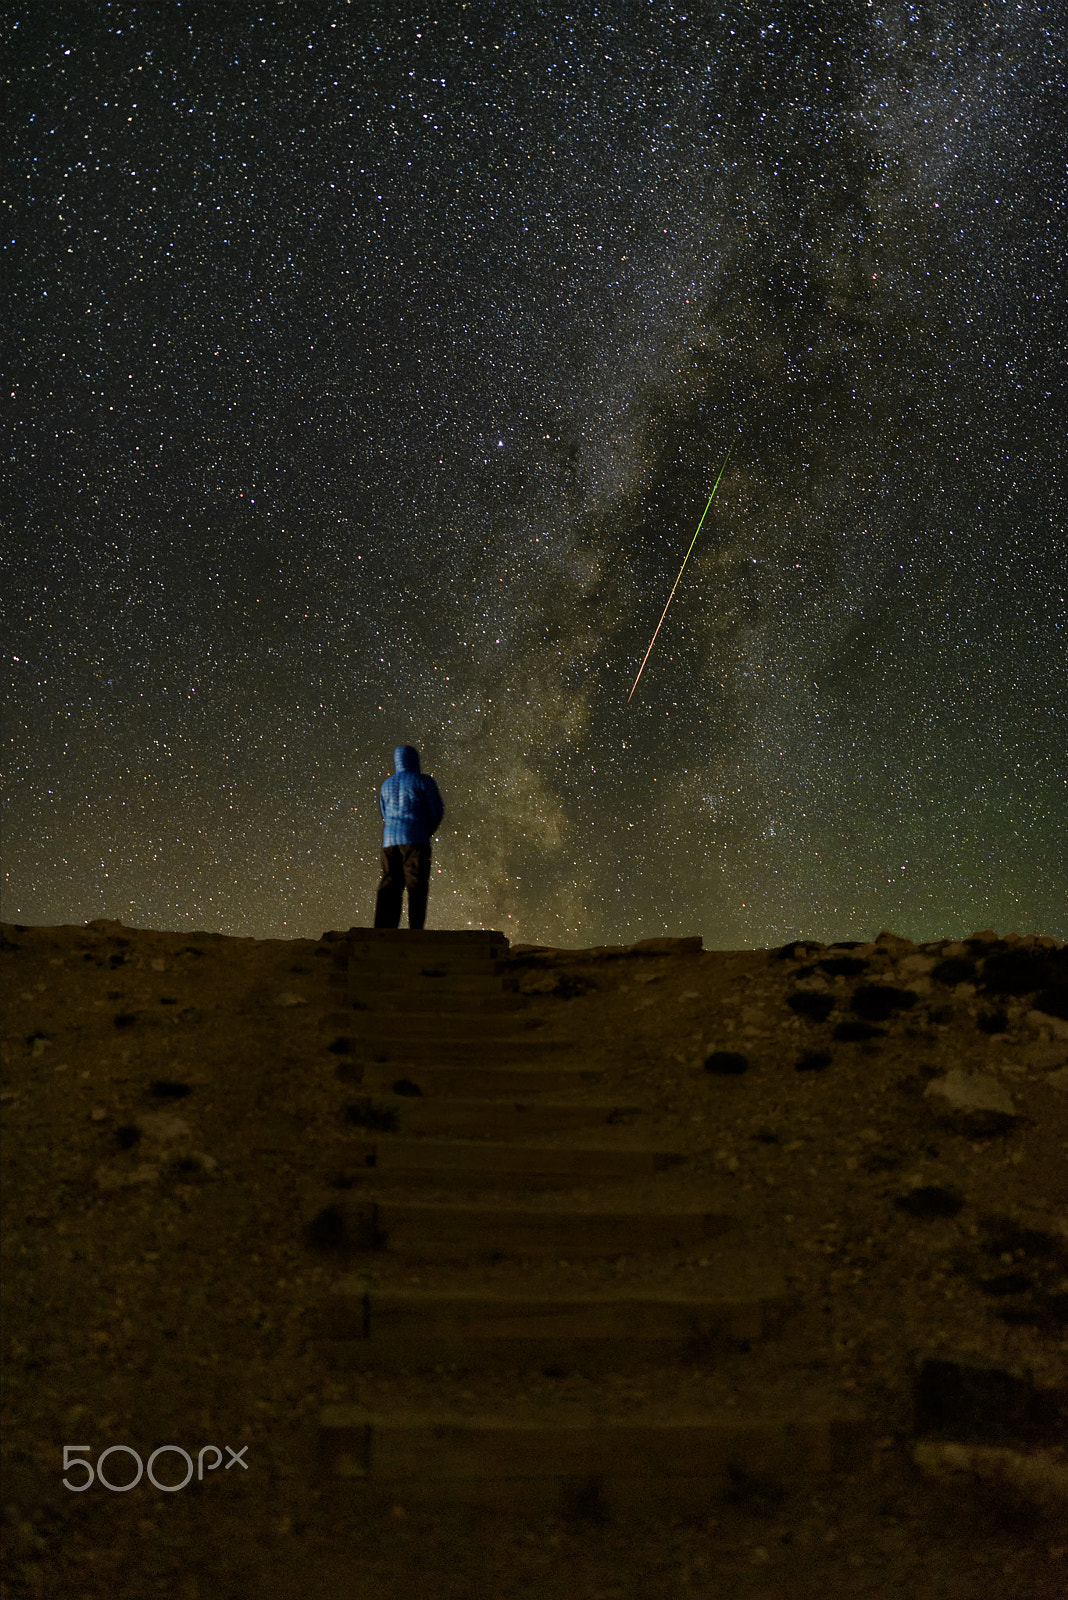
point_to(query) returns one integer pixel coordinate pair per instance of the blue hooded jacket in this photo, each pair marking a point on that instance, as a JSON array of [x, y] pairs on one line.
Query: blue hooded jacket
[[410, 803]]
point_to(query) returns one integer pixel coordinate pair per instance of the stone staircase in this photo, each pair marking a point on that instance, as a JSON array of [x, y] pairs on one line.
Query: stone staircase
[[546, 1242]]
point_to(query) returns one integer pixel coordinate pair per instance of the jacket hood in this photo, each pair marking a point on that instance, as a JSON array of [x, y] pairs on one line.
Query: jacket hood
[[406, 758]]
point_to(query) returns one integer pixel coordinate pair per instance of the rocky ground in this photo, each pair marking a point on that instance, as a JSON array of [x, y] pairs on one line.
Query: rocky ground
[[891, 1121]]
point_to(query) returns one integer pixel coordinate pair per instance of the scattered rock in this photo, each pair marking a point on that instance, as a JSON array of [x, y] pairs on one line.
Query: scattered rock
[[1047, 1024], [797, 950], [288, 998], [1058, 1079], [930, 1200], [564, 985], [158, 1125], [1046, 1056], [963, 1398], [115, 1177], [365, 1114], [973, 1101], [877, 1002], [856, 1032], [1038, 1477], [1053, 1002], [1018, 972], [726, 1062], [843, 966], [813, 1061], [812, 1006], [1007, 1283], [326, 1230], [955, 969], [894, 943], [669, 947]]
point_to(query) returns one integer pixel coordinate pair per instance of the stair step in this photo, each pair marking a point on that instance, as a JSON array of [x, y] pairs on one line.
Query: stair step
[[490, 1119], [405, 1006], [591, 1461], [402, 951], [383, 1317], [450, 1229], [441, 1031], [426, 981], [407, 940], [445, 1077], [390, 1158], [480, 1029], [432, 968]]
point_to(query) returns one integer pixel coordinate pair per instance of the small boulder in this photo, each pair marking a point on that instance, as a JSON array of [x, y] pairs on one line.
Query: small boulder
[[972, 1101], [1038, 1477], [877, 1002], [856, 1032], [689, 946], [930, 1200], [813, 1061], [964, 1398], [112, 1175], [812, 1006], [727, 1063], [163, 1127]]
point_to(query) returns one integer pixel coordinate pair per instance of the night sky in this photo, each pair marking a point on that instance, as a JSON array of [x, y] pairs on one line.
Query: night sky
[[372, 368]]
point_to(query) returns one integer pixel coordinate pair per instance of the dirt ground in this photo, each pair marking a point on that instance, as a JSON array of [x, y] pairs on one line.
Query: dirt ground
[[173, 1119]]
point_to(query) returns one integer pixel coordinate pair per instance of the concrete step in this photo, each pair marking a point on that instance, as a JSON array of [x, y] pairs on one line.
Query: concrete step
[[404, 951], [399, 985], [487, 1119], [460, 969], [445, 1077], [474, 1026], [407, 940], [363, 1325], [478, 1162], [440, 1049], [585, 1462], [457, 1230], [395, 1002]]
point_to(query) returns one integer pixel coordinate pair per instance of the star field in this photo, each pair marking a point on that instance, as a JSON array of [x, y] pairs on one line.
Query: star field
[[371, 368]]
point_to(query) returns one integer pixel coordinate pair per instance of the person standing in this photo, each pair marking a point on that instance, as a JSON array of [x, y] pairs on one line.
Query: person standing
[[412, 810]]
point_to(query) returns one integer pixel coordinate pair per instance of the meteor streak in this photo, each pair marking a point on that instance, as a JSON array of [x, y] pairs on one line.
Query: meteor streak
[[685, 558]]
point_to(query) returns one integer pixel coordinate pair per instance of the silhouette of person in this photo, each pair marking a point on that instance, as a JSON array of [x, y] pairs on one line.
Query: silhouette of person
[[411, 812]]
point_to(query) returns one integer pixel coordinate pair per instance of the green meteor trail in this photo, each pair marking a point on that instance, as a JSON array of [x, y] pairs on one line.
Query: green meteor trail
[[685, 558]]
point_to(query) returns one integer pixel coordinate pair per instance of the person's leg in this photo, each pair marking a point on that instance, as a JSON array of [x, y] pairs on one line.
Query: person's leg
[[417, 881], [390, 889]]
